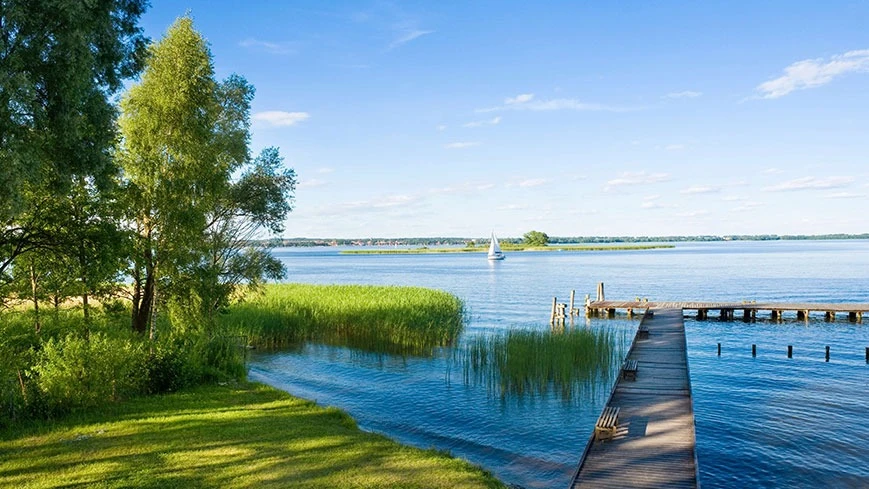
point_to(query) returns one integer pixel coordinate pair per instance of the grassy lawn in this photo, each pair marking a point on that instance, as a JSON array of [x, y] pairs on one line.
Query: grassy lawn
[[244, 435]]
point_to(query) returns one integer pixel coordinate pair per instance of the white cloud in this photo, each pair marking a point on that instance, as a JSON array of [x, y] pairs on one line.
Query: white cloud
[[636, 178], [533, 182], [674, 147], [519, 99], [697, 213], [656, 205], [553, 105], [649, 198], [810, 183], [489, 122], [326, 170], [734, 198], [280, 118], [408, 36], [461, 144], [845, 195], [700, 189], [311, 183], [269, 46], [512, 207], [772, 171], [441, 127], [811, 73], [748, 206], [683, 94]]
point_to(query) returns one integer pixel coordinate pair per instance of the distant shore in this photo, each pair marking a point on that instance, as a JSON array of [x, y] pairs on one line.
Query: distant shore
[[553, 240], [506, 248]]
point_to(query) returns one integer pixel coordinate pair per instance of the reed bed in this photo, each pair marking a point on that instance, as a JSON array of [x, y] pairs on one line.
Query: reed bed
[[528, 363], [382, 319]]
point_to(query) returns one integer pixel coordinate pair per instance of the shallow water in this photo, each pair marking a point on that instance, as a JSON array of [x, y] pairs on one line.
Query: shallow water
[[764, 421]]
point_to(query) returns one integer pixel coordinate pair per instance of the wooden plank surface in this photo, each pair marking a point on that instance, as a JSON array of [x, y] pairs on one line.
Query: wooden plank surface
[[654, 445], [756, 306]]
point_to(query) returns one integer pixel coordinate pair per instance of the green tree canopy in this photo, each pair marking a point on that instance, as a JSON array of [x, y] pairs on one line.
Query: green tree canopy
[[60, 61], [535, 238], [185, 135]]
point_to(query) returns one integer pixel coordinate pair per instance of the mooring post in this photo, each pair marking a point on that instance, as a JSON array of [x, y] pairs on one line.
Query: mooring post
[[600, 293], [867, 354], [587, 308], [790, 351], [572, 294], [753, 350], [719, 350], [552, 314], [827, 356]]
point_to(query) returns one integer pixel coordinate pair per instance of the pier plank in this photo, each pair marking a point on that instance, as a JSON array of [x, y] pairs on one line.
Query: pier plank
[[654, 445]]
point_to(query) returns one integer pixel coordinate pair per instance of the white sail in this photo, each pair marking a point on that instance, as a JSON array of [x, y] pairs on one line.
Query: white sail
[[495, 250]]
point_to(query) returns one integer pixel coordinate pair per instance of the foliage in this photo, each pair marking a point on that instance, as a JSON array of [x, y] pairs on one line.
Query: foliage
[[241, 435], [411, 320], [79, 372], [184, 137], [528, 362], [60, 61], [535, 238]]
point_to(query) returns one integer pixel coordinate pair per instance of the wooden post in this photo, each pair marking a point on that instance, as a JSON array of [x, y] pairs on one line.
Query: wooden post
[[852, 317], [801, 315], [753, 350], [746, 315], [867, 354], [719, 351], [570, 311], [827, 356], [600, 293], [552, 314], [790, 351]]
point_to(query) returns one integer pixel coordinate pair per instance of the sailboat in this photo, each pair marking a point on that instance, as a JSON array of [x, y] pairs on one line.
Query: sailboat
[[495, 252]]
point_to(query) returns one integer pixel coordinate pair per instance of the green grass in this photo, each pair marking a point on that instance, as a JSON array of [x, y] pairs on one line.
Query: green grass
[[244, 435], [404, 320], [528, 362], [507, 247]]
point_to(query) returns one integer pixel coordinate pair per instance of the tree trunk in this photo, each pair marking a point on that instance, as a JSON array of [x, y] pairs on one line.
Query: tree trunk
[[142, 318], [137, 294], [33, 290]]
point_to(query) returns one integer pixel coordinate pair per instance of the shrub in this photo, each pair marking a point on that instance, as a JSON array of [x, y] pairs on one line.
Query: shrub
[[74, 371]]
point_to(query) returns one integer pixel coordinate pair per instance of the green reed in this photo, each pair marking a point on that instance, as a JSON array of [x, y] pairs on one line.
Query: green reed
[[404, 320], [527, 363]]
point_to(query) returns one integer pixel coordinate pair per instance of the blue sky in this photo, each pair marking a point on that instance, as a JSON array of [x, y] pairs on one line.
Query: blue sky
[[572, 118]]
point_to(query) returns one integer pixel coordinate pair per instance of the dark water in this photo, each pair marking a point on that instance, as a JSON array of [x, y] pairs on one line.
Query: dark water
[[767, 421]]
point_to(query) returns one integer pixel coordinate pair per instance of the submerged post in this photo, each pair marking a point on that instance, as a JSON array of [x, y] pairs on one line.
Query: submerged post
[[719, 349], [827, 356], [790, 351], [753, 350]]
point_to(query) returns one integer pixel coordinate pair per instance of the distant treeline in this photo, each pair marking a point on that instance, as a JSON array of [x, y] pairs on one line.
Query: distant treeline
[[303, 242]]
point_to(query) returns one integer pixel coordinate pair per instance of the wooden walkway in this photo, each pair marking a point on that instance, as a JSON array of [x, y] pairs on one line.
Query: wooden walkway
[[853, 311], [654, 445]]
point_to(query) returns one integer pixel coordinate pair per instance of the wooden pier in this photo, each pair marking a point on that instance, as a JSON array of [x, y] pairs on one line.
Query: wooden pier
[[652, 444], [746, 311]]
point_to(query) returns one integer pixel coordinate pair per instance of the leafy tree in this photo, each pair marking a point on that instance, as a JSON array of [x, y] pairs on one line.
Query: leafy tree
[[535, 238], [184, 136], [60, 61]]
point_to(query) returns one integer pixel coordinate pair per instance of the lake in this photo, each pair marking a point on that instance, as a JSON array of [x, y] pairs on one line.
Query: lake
[[767, 421]]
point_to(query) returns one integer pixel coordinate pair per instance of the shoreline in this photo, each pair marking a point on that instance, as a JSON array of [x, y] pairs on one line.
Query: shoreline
[[506, 249]]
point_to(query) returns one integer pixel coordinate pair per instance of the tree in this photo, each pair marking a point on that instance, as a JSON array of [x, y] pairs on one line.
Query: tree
[[535, 238], [60, 61], [184, 136]]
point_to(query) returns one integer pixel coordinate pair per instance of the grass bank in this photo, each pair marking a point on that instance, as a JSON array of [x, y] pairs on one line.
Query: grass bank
[[528, 362], [245, 435], [506, 247], [404, 320]]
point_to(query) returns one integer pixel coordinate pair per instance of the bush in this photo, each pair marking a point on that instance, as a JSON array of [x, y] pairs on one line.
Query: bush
[[78, 372]]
